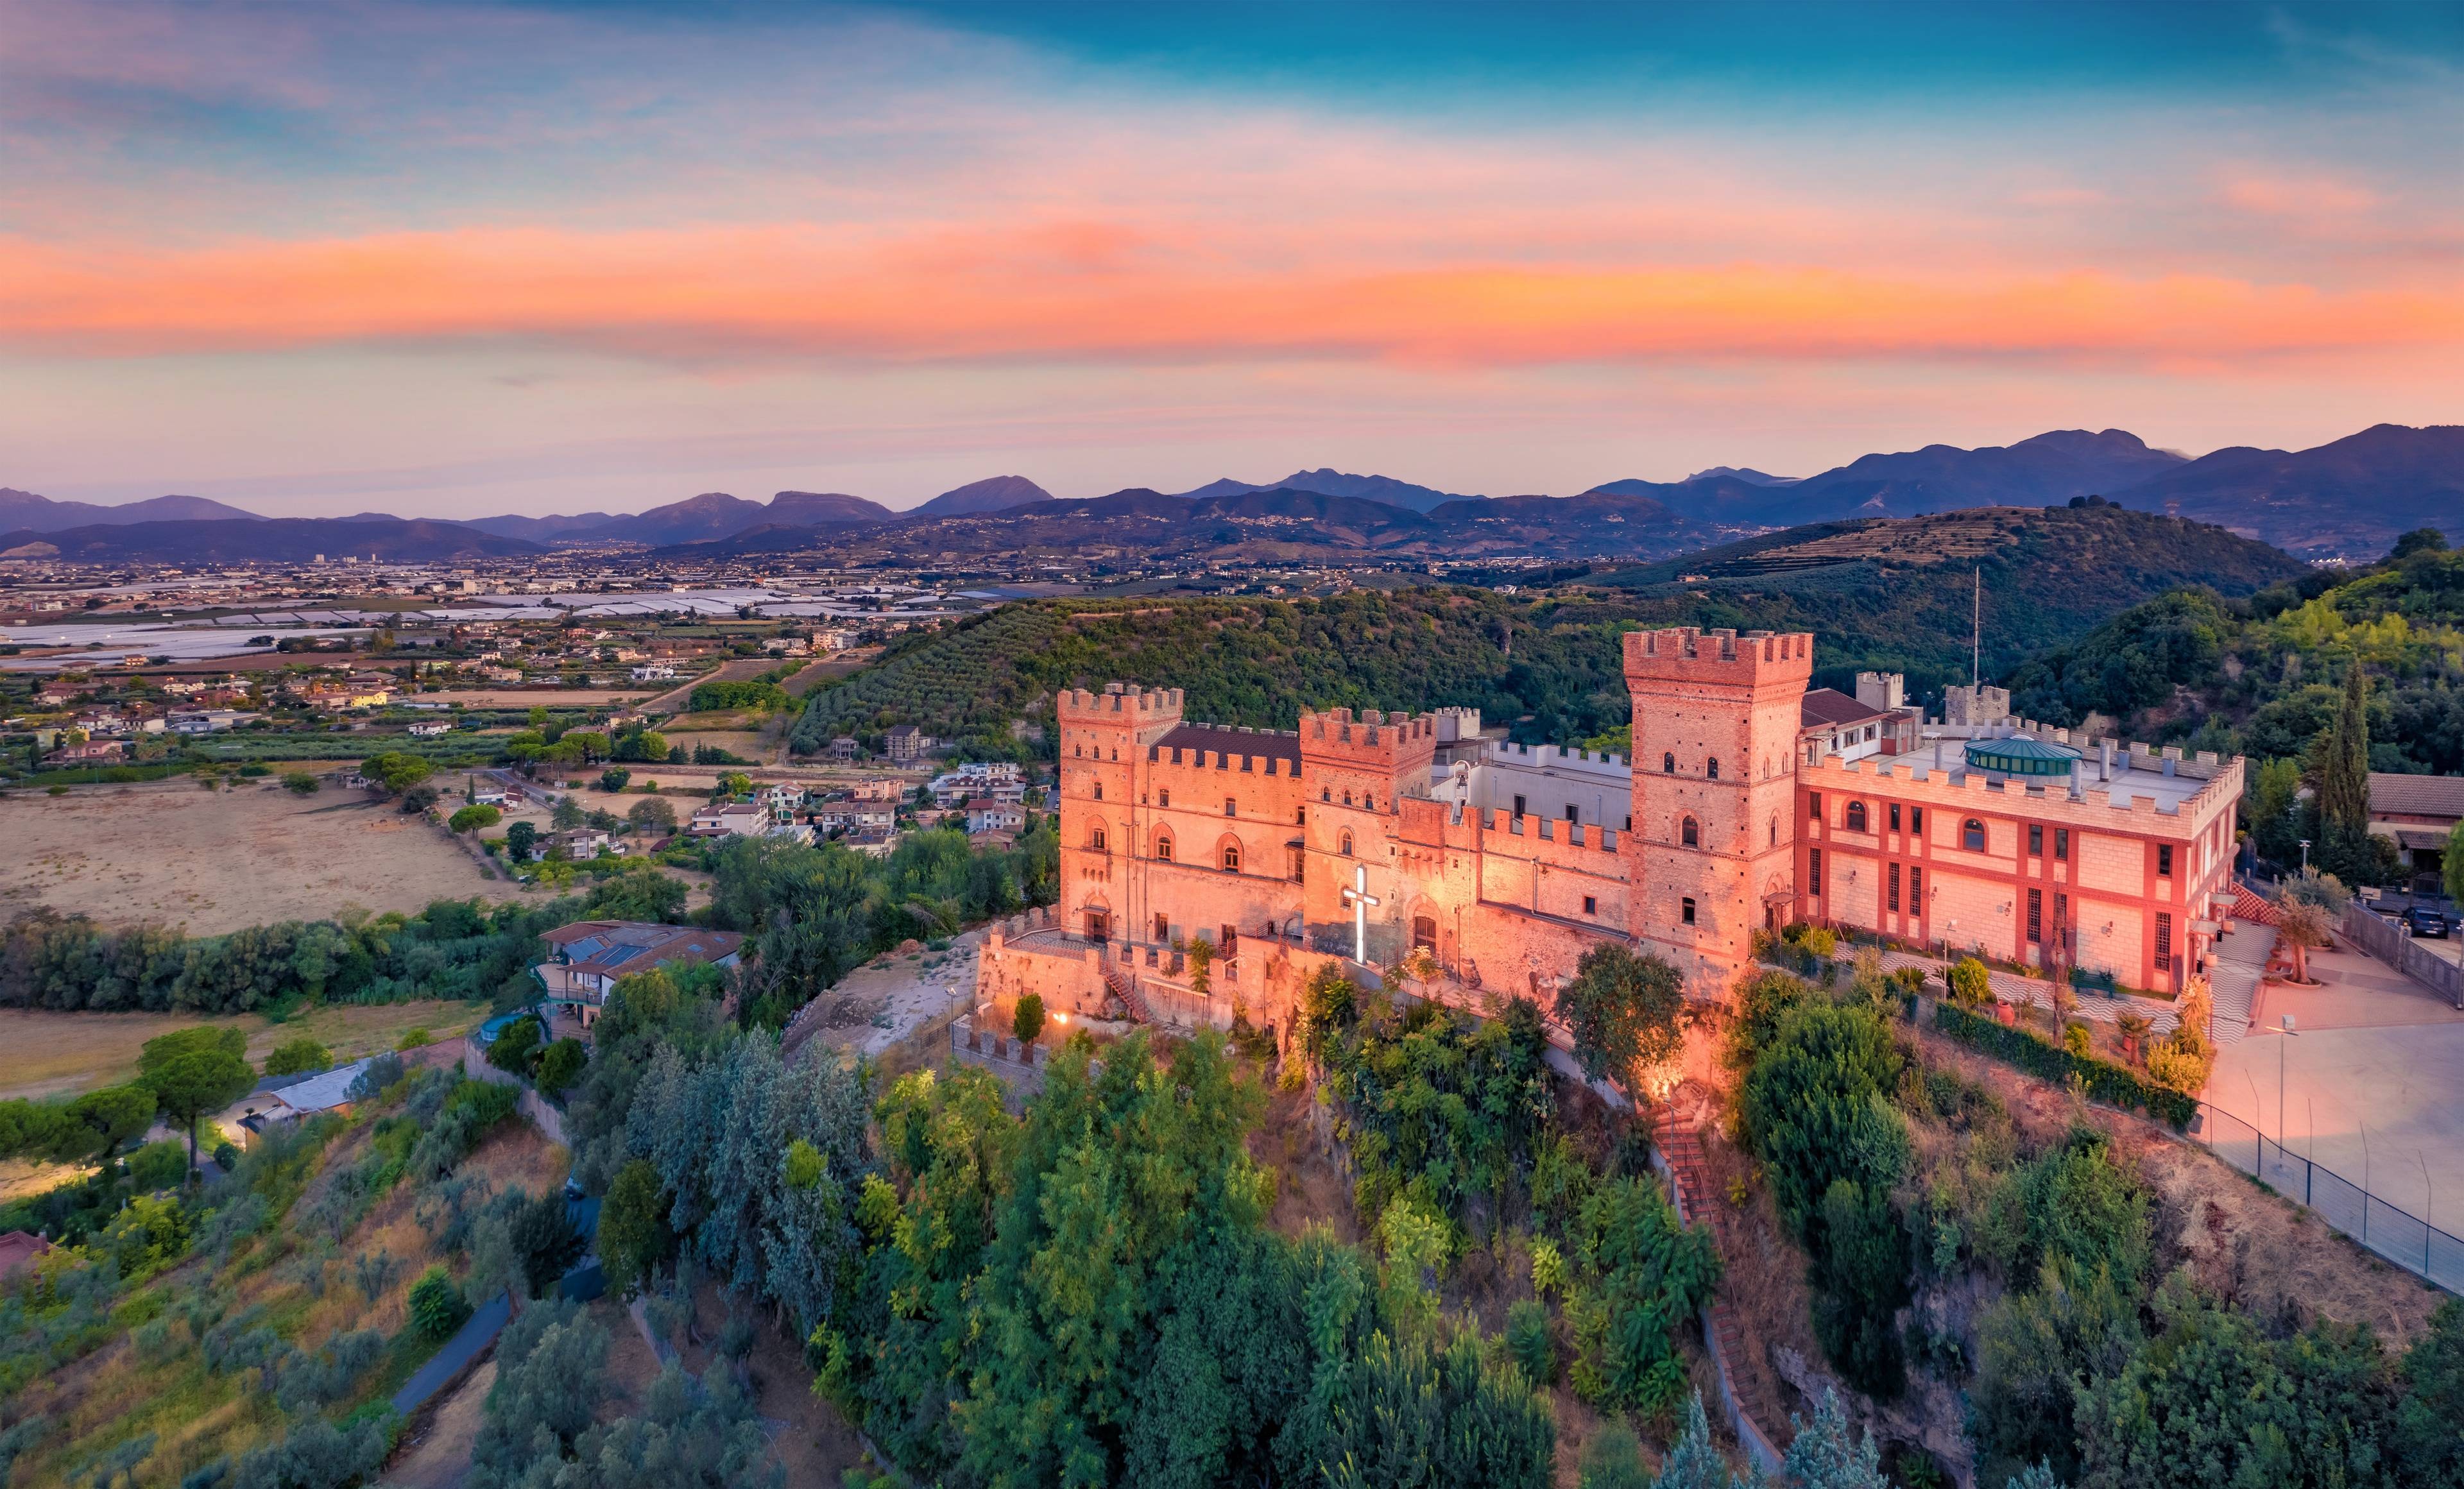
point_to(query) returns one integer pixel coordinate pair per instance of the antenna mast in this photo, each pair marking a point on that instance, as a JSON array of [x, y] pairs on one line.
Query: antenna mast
[[1976, 634]]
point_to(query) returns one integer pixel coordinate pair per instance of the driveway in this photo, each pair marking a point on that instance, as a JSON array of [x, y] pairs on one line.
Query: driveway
[[2369, 1080]]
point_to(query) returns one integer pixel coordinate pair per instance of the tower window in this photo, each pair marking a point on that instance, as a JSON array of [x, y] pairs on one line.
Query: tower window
[[1775, 832], [1711, 768], [1972, 836], [1856, 817], [1163, 848], [1229, 808], [1095, 840], [1687, 833], [1232, 858], [1669, 762], [2036, 843], [2164, 860], [1163, 798], [1326, 793], [1685, 910], [1344, 845], [1590, 905], [1099, 791]]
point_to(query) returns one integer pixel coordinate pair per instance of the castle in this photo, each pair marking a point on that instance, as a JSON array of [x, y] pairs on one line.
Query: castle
[[1204, 865]]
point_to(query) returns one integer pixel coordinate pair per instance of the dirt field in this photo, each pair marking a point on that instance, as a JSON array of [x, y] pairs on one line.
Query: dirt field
[[215, 861], [51, 1053]]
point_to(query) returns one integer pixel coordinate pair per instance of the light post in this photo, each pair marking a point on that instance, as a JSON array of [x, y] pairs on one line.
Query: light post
[[2306, 858]]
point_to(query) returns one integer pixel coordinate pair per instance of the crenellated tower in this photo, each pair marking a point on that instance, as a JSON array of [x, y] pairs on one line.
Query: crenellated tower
[[1104, 739], [1710, 856]]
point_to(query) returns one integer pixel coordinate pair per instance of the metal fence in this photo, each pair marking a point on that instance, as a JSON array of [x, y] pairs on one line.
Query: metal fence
[[2400, 1236], [2385, 941]]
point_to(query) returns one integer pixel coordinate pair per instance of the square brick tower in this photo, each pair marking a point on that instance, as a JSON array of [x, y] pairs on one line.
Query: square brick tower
[[1710, 857], [1103, 758], [1353, 772]]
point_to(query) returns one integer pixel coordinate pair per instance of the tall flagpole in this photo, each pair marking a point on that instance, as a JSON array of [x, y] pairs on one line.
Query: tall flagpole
[[1976, 634]]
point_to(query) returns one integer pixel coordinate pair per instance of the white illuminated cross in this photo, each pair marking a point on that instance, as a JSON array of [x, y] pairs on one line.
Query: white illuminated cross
[[1357, 892]]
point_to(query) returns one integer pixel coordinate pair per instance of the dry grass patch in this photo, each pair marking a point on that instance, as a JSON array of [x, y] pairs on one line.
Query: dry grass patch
[[53, 1053]]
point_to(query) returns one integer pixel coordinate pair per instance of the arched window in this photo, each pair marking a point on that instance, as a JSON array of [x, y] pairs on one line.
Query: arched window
[[1775, 832], [1972, 836], [1231, 858], [1669, 762], [1712, 770], [1163, 848], [1688, 835], [1344, 845], [1095, 840], [1326, 793], [1856, 817], [1163, 798]]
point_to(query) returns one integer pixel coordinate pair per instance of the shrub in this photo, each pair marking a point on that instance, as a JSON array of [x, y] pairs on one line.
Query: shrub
[[299, 783], [1970, 986], [436, 1305], [2075, 1040], [2102, 1080], [516, 1044], [293, 1057], [414, 1039], [1027, 1022], [1612, 1458], [1861, 1278], [633, 1233], [1813, 1107], [559, 1066], [1529, 1340], [614, 778], [162, 1165]]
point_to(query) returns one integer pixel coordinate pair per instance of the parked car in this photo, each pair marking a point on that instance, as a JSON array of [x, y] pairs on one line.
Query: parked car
[[2426, 922]]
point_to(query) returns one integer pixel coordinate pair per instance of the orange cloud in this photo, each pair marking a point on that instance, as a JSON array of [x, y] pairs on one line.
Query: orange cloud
[[2296, 196], [1083, 289]]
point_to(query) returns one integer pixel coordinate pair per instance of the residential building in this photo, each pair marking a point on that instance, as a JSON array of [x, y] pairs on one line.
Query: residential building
[[729, 819], [2418, 811], [986, 815], [586, 958], [907, 744]]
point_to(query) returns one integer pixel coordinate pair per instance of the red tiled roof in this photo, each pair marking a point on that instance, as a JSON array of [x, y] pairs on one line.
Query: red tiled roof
[[2417, 796], [1828, 707]]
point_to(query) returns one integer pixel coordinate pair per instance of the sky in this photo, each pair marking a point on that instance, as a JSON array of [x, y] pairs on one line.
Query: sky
[[448, 260]]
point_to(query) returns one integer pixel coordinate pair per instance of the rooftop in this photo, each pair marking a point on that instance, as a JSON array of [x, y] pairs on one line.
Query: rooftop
[[1828, 707], [1224, 740], [2417, 796]]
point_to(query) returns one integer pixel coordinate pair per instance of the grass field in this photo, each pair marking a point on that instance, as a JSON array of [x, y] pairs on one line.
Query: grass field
[[52, 1054], [215, 861]]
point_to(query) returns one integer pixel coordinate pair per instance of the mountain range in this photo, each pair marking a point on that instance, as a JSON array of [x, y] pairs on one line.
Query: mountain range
[[2348, 499]]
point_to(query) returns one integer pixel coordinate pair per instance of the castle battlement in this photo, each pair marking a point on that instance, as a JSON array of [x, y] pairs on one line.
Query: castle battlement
[[1120, 702], [1690, 654], [1393, 743]]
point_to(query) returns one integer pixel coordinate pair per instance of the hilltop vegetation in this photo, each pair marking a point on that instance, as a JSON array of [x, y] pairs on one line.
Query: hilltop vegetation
[[1883, 595]]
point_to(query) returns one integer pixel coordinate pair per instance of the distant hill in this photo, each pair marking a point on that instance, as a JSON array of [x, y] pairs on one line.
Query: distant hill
[[1329, 482], [709, 516], [993, 493], [2347, 499], [24, 510], [1268, 524], [1889, 595], [543, 530], [264, 540], [1747, 475]]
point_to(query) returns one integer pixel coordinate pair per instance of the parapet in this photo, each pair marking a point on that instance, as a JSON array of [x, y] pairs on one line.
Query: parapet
[[1120, 703], [1384, 741], [1690, 654]]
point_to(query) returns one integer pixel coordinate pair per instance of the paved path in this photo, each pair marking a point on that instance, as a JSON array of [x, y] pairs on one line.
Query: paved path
[[2009, 987], [2234, 974]]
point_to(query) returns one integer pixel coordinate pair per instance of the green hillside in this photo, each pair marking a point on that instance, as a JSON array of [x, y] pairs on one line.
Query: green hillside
[[1888, 595]]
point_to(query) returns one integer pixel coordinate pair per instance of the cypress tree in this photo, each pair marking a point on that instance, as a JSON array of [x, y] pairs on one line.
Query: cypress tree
[[2345, 760]]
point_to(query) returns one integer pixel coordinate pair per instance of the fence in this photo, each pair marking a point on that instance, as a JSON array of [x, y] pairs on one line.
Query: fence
[[2398, 1234], [2392, 945]]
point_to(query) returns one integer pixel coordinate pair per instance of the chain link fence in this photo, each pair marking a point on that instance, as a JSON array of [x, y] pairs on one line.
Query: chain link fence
[[2398, 1234]]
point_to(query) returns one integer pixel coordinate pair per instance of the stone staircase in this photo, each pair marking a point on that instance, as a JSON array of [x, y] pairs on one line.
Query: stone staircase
[[1746, 1373], [1126, 988]]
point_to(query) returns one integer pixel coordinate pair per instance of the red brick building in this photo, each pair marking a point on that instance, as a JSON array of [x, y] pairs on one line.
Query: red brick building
[[1748, 805]]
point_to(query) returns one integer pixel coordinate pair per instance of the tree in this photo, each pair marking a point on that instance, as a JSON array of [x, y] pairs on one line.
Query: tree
[[633, 1234], [559, 1066], [1640, 1275], [1028, 1023], [472, 818], [652, 813], [2340, 770], [544, 1241], [516, 1045], [1813, 1107], [192, 1072], [299, 783], [551, 1375], [614, 778], [2451, 863], [1623, 1008], [395, 772], [2428, 1449], [1860, 1281], [1828, 1454], [295, 1056], [1693, 1460], [1972, 985], [566, 815], [436, 1305], [520, 838], [2301, 924]]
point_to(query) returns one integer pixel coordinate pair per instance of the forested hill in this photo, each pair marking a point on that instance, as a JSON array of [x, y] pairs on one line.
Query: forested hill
[[1889, 595], [2262, 676]]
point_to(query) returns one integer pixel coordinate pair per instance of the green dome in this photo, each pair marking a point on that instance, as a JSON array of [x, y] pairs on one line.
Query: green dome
[[2020, 756]]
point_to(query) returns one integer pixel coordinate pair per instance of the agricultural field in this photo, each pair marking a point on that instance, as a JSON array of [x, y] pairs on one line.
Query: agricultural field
[[170, 853], [53, 1053]]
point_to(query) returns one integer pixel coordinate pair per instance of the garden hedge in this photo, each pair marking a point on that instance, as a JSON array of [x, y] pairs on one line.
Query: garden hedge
[[2103, 1079]]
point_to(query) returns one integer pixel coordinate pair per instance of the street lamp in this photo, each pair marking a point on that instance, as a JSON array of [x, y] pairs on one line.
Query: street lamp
[[2306, 858], [2286, 1030]]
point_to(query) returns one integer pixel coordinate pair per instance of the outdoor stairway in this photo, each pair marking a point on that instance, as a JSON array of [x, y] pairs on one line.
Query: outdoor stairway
[[1126, 989], [2234, 972], [1749, 1374]]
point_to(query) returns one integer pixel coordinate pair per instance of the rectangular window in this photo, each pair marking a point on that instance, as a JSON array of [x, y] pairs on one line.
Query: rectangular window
[[2036, 838], [1163, 928], [2164, 861], [1814, 806], [1591, 905], [1518, 806], [1895, 817], [1099, 791], [1916, 820], [1231, 808], [1163, 798], [1916, 889], [2062, 842], [1814, 871], [2163, 943], [2036, 917], [1572, 814], [1685, 911], [1895, 881]]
